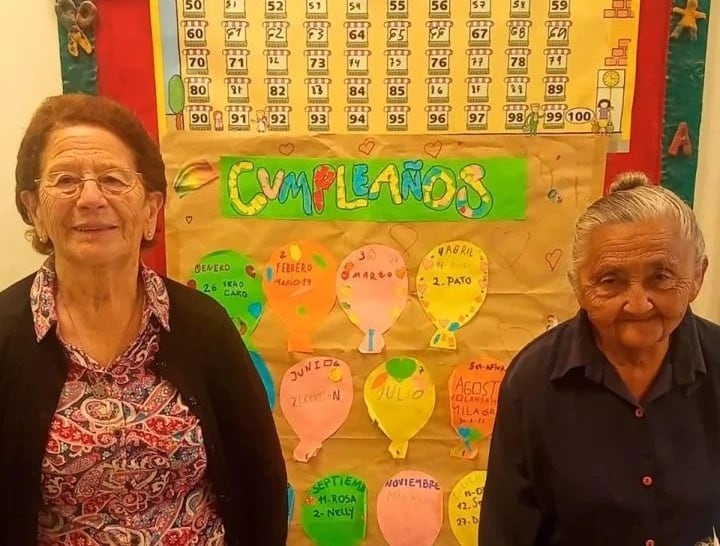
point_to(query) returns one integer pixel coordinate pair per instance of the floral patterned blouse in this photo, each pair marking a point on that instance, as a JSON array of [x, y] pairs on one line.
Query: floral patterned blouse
[[125, 461]]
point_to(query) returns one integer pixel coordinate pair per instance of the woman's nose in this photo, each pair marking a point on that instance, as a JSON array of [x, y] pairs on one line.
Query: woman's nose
[[637, 300], [90, 194]]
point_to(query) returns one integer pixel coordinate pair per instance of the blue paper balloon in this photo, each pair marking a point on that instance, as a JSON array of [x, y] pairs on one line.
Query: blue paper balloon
[[291, 501], [265, 376]]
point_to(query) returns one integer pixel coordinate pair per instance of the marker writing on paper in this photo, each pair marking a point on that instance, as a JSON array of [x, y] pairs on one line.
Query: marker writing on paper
[[317, 364], [421, 483]]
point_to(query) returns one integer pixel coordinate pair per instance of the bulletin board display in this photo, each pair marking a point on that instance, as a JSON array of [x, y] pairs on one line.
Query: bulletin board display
[[381, 343], [395, 66], [382, 198]]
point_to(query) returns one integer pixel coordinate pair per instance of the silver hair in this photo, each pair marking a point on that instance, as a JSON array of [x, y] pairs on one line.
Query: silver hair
[[633, 198]]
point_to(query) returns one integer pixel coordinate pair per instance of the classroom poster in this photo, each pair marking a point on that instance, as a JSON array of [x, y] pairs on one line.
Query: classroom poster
[[395, 66], [382, 196]]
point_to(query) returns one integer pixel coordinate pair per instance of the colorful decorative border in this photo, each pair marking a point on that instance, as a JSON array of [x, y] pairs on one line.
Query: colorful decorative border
[[686, 56]]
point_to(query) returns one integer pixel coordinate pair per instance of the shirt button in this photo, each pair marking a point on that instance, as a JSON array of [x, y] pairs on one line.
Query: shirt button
[[649, 542], [639, 413], [647, 481]]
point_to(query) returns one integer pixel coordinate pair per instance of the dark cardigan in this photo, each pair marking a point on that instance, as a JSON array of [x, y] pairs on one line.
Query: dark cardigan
[[205, 358]]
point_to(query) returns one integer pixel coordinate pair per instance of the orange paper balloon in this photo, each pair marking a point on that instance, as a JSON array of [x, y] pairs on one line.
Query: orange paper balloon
[[299, 283], [474, 389]]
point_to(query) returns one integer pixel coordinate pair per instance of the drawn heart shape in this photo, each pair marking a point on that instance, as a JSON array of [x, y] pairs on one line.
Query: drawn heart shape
[[400, 368], [434, 148], [401, 273], [189, 219], [421, 288], [510, 245], [553, 257], [427, 263], [404, 236], [443, 323], [287, 148], [367, 146], [250, 270]]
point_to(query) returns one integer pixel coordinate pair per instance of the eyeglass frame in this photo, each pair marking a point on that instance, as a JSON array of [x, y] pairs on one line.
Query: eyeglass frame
[[79, 187]]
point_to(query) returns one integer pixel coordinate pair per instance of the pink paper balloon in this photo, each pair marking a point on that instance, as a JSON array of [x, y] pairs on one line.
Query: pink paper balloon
[[315, 396], [410, 509], [372, 288]]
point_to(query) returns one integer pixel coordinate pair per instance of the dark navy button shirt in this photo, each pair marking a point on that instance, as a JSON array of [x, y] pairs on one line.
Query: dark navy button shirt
[[576, 461]]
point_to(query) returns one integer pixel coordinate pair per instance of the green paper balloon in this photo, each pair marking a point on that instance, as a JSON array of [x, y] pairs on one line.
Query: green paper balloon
[[335, 511], [232, 280]]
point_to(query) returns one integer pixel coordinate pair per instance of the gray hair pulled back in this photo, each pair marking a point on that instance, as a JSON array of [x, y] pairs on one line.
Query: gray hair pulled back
[[633, 198]]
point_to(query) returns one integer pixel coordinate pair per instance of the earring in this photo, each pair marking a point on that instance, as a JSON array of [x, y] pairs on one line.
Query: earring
[[149, 235], [43, 238]]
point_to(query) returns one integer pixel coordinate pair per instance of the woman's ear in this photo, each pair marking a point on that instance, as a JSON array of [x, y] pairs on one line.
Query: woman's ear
[[155, 203], [699, 278], [30, 200]]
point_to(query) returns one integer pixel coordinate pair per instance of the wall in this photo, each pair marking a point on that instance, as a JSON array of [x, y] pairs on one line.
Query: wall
[[30, 32], [31, 71]]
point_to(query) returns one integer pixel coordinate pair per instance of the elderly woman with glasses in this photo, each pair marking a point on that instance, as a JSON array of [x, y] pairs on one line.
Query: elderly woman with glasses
[[130, 411], [608, 425]]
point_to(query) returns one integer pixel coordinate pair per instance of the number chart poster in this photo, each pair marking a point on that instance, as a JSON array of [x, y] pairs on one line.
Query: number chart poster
[[380, 67], [382, 284]]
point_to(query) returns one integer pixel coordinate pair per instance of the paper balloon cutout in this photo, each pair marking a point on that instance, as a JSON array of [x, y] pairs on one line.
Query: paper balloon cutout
[[290, 501], [265, 376], [372, 289], [410, 509], [315, 397], [299, 282], [335, 511], [400, 398], [474, 388], [232, 280], [464, 507], [193, 175], [452, 283]]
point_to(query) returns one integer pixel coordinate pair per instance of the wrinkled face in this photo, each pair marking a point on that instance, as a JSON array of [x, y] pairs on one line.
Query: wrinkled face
[[637, 280], [94, 227]]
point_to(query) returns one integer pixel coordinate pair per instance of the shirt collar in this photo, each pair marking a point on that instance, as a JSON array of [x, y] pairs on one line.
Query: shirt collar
[[685, 354], [42, 297]]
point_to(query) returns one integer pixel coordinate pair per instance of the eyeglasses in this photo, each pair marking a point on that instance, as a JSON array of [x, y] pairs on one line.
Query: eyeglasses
[[66, 185]]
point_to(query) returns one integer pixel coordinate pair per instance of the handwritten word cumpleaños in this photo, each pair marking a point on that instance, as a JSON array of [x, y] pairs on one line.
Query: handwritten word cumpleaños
[[352, 186]]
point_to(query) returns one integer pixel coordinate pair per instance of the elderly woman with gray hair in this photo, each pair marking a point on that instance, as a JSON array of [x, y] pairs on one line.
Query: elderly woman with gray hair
[[608, 425]]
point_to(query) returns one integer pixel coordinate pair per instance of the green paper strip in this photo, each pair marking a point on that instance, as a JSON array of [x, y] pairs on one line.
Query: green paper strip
[[378, 190], [683, 102], [79, 73]]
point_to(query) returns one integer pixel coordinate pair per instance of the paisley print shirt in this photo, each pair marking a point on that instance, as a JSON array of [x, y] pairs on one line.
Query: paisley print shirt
[[125, 461]]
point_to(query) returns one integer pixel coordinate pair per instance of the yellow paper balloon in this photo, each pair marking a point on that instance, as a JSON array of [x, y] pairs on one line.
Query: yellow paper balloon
[[464, 507], [452, 283], [400, 398]]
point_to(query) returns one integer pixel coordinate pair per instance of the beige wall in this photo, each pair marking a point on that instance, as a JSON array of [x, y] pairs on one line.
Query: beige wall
[[30, 69]]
